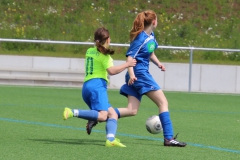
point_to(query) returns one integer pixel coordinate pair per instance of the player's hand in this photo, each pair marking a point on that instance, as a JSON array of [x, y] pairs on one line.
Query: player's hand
[[131, 62], [162, 67], [131, 80]]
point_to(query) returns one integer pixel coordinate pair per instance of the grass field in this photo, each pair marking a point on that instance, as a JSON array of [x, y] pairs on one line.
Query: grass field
[[32, 127]]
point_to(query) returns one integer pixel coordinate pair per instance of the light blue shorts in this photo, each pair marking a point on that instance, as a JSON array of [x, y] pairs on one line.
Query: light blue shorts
[[94, 94]]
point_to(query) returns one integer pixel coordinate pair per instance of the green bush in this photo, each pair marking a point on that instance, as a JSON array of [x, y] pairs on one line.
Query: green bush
[[211, 24]]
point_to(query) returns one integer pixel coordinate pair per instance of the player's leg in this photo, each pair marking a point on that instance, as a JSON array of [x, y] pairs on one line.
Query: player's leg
[[98, 101], [111, 129], [94, 94], [97, 112], [160, 100], [158, 97], [91, 115], [132, 108], [134, 99]]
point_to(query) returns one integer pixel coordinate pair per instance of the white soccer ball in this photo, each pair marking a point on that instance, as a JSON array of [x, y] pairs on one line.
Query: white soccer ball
[[154, 125]]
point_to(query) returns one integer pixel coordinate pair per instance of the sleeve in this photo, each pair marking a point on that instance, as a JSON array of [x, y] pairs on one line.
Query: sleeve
[[108, 62], [133, 49]]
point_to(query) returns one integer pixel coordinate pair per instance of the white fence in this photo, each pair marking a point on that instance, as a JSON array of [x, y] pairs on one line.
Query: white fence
[[178, 77]]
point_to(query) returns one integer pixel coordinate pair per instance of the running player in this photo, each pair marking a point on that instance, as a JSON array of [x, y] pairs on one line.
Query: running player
[[98, 64]]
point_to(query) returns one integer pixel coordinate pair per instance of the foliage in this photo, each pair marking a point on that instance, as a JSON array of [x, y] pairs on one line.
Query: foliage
[[211, 24]]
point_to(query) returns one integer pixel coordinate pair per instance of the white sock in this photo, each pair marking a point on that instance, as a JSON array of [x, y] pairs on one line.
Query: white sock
[[75, 112]]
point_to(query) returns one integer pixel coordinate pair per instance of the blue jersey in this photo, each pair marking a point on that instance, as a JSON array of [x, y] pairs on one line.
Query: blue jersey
[[141, 49]]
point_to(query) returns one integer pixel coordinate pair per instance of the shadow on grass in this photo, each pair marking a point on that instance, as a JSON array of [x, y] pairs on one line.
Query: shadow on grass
[[96, 142], [71, 141], [151, 142]]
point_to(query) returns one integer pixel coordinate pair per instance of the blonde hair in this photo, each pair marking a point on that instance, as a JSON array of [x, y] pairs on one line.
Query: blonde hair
[[142, 20]]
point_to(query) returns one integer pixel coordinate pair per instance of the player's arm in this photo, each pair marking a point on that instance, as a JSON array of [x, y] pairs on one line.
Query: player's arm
[[155, 60], [117, 69], [131, 73]]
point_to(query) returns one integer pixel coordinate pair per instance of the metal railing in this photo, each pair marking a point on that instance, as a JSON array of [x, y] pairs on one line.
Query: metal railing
[[127, 45]]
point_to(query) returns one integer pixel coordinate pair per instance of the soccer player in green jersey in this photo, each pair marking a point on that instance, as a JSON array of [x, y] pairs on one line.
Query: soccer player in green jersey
[[98, 64]]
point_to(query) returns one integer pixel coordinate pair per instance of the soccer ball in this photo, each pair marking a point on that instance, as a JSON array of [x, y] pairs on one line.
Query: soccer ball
[[154, 125]]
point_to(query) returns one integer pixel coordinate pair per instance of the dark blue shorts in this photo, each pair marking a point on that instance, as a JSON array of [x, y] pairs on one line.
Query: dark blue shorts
[[142, 85]]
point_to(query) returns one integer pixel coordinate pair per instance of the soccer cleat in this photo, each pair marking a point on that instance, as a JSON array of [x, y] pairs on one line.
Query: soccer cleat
[[115, 143], [90, 125], [174, 143], [117, 140], [67, 113]]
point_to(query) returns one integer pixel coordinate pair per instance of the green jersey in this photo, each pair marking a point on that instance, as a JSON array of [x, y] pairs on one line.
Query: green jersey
[[96, 64]]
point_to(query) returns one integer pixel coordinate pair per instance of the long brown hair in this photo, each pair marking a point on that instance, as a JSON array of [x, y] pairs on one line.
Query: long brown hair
[[100, 37], [142, 20]]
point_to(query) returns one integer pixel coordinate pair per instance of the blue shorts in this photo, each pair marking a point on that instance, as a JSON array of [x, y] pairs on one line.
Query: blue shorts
[[142, 85], [94, 94]]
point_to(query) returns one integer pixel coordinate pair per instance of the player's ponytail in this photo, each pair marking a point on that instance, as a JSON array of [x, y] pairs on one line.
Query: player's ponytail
[[142, 20], [100, 37]]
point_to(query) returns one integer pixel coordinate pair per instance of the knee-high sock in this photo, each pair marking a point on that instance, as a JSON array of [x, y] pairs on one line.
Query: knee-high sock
[[86, 114], [167, 125], [117, 111], [111, 128]]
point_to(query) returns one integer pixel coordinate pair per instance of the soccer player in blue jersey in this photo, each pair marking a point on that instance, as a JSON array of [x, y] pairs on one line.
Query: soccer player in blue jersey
[[98, 64], [139, 81]]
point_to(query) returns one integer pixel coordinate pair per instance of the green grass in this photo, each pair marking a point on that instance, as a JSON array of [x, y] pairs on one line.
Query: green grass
[[32, 127]]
